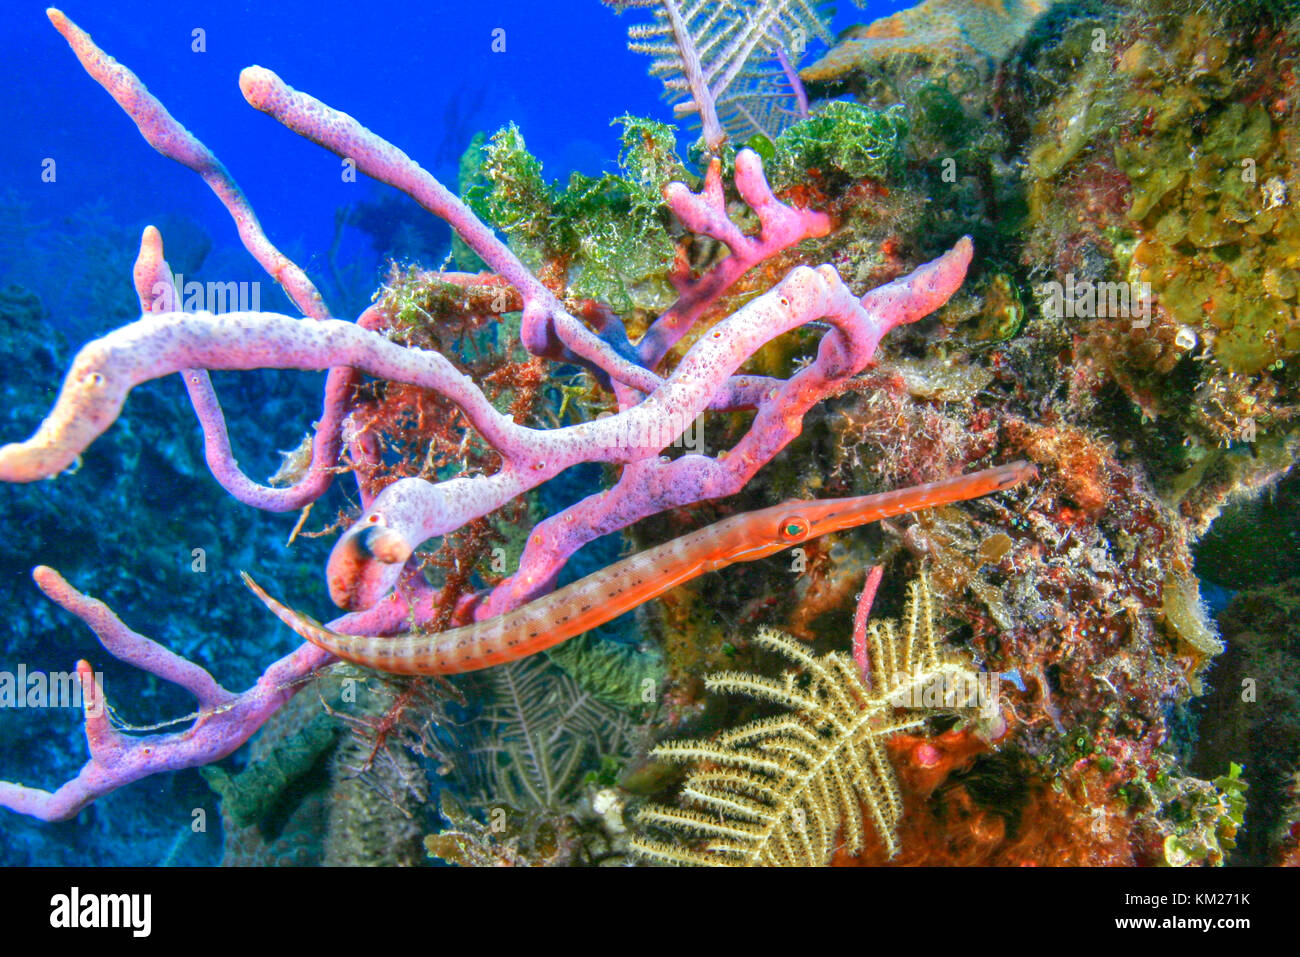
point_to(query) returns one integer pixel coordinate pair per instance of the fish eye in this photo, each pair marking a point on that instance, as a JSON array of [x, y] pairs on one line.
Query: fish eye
[[795, 528]]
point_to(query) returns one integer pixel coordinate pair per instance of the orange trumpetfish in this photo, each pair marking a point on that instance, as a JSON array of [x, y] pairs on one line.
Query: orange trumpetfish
[[624, 585]]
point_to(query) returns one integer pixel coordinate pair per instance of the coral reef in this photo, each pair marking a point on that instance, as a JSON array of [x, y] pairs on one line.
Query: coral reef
[[969, 31], [1250, 716], [1125, 319], [1160, 163], [1087, 586]]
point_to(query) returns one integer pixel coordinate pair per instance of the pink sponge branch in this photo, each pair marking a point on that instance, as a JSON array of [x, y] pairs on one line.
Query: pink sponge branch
[[224, 720], [155, 284], [130, 646], [108, 368], [413, 510], [653, 485], [705, 212], [157, 294], [371, 571], [165, 134], [376, 157], [547, 328], [861, 654]]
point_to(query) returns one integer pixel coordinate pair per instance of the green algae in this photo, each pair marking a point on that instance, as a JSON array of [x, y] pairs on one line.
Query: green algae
[[1160, 149], [843, 137], [252, 794], [617, 673], [609, 232], [1206, 819]]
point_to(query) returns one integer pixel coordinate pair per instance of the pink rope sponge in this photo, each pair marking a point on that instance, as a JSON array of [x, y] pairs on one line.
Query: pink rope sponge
[[373, 557]]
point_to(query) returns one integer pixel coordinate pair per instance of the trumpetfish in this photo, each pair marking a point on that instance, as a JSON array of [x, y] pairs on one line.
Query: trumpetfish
[[622, 586]]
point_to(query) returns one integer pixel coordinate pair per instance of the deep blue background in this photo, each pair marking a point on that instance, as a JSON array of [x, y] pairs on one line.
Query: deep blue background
[[422, 74]]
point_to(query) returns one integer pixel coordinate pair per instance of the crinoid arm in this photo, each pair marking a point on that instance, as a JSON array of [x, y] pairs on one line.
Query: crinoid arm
[[795, 788], [788, 790]]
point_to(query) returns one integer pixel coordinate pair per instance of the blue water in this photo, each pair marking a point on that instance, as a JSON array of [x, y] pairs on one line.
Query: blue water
[[422, 74]]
